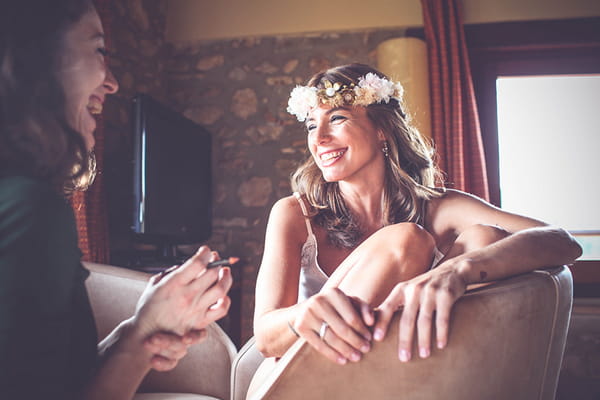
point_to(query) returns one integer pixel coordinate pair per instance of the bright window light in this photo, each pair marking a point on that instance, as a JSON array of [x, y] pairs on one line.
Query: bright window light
[[549, 152]]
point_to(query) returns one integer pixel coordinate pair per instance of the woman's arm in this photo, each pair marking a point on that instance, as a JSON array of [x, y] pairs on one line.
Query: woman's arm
[[278, 277], [277, 315], [528, 245], [198, 295]]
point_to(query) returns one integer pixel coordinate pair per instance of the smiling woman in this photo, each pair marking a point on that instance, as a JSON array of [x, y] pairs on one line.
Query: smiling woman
[[368, 229], [53, 79]]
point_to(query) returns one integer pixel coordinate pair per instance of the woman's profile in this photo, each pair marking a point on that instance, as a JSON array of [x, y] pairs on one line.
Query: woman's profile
[[53, 81]]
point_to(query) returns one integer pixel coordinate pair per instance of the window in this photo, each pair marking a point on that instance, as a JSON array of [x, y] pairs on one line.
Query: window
[[548, 145], [505, 58]]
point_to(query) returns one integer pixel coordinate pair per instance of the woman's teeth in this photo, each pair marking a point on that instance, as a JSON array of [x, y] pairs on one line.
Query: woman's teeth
[[95, 108], [331, 155]]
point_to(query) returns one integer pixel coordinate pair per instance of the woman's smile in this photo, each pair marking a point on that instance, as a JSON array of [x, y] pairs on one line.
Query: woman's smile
[[95, 105], [330, 157]]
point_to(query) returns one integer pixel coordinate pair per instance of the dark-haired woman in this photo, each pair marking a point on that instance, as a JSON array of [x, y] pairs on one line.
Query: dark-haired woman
[[53, 79]]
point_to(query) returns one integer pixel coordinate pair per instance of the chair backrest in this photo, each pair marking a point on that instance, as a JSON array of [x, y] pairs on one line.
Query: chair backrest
[[244, 366], [205, 370], [506, 342]]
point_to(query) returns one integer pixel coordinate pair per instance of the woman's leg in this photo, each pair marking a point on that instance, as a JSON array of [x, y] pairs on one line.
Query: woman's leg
[[400, 252], [393, 254]]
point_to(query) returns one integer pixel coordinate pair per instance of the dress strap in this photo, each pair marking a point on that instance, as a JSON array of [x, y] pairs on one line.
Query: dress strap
[[305, 212]]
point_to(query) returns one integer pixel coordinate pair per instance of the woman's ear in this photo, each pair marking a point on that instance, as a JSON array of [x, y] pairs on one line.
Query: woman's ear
[[381, 136]]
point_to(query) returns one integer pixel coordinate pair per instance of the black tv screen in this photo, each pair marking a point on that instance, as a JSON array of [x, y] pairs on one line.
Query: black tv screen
[[172, 175]]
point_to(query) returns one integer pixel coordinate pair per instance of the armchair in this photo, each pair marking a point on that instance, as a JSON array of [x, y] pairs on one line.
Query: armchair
[[506, 342]]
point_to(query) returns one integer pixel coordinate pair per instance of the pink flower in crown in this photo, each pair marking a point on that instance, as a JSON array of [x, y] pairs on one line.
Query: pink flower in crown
[[302, 100]]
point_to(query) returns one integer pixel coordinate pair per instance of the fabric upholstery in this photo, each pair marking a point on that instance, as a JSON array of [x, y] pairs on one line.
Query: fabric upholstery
[[206, 368], [244, 365], [172, 396], [506, 342]]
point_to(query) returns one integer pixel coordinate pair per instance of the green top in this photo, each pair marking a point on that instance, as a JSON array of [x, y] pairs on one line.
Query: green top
[[47, 331]]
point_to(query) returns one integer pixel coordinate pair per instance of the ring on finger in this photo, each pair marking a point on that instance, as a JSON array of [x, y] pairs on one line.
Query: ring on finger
[[323, 330]]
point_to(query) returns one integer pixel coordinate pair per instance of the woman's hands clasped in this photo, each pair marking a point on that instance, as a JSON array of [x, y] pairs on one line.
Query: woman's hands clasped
[[336, 325], [168, 348], [339, 326], [176, 306], [425, 299]]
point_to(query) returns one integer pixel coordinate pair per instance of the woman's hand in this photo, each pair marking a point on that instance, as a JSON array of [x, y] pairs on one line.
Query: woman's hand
[[336, 325], [168, 348], [433, 292], [187, 298]]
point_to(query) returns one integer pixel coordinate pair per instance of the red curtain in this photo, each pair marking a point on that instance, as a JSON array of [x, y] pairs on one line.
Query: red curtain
[[455, 122], [90, 206]]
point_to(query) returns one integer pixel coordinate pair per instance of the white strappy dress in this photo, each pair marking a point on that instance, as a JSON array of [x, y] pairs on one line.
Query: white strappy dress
[[312, 277]]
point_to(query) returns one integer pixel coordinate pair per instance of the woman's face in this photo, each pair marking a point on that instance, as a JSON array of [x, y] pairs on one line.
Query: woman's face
[[85, 77], [344, 143]]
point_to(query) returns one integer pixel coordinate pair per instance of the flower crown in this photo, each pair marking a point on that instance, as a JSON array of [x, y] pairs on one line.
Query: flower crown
[[371, 89]]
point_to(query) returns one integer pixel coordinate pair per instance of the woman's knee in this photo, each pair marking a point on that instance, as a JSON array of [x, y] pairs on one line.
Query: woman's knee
[[404, 238], [408, 233], [393, 254]]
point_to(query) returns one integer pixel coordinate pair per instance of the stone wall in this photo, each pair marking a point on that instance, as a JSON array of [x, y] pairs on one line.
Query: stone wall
[[238, 90]]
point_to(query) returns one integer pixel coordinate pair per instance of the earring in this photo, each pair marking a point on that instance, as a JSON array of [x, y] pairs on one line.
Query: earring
[[385, 149], [85, 180]]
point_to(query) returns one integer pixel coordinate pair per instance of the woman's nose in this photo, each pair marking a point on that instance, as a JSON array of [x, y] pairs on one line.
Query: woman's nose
[[110, 82], [322, 133]]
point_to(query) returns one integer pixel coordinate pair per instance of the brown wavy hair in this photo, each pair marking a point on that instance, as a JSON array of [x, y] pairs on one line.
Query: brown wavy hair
[[35, 138], [410, 178]]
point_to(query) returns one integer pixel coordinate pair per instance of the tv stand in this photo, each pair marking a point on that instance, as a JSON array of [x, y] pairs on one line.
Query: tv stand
[[152, 259], [167, 252]]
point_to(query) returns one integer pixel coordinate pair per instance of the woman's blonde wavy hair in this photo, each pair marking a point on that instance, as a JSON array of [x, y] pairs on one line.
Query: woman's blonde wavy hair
[[410, 176]]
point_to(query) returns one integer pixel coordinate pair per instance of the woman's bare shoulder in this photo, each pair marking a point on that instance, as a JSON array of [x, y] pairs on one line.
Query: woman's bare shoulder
[[455, 208], [452, 198], [287, 215], [287, 207]]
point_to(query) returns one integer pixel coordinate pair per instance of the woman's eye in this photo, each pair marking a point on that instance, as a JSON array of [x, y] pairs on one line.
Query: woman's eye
[[103, 51], [311, 127], [337, 118]]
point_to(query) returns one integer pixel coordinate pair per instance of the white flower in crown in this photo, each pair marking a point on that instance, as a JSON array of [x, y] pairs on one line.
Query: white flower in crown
[[371, 89], [374, 89], [302, 100]]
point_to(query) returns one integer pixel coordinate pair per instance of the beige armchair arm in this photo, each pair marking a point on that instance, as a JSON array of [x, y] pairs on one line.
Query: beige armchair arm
[[506, 342]]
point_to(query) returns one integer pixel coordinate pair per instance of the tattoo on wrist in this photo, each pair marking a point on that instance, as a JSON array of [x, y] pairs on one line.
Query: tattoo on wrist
[[482, 275]]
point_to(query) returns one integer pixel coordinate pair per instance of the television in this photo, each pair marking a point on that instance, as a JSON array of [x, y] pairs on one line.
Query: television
[[172, 176]]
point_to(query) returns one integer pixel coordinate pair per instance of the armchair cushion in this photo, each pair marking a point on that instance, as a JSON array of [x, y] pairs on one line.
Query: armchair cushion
[[244, 366]]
